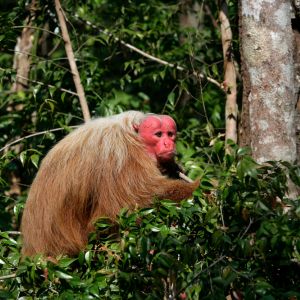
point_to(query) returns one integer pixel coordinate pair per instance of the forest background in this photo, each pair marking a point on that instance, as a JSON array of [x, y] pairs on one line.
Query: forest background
[[228, 73]]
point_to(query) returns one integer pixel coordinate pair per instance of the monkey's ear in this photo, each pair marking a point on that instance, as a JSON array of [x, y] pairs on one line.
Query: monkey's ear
[[135, 127]]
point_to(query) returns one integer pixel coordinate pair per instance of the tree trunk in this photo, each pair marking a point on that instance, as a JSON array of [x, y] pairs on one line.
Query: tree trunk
[[23, 51], [296, 30], [22, 61], [269, 96], [229, 75]]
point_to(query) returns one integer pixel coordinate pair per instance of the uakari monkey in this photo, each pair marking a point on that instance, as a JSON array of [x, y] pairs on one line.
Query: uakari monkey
[[103, 166]]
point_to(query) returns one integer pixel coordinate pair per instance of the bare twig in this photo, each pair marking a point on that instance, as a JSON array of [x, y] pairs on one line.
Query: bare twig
[[13, 232], [165, 63], [247, 229], [32, 135], [185, 178], [229, 74], [72, 62], [222, 216], [9, 276]]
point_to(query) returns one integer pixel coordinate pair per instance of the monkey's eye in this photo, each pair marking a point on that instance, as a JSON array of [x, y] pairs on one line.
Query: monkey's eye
[[158, 133], [171, 134]]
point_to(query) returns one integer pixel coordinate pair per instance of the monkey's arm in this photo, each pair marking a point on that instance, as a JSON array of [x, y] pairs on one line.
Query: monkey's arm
[[177, 189]]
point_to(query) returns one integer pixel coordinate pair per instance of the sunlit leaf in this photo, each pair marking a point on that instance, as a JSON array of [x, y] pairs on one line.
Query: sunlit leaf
[[63, 275], [35, 159]]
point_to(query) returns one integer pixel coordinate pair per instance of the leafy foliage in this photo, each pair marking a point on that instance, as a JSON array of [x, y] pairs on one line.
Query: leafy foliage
[[239, 236]]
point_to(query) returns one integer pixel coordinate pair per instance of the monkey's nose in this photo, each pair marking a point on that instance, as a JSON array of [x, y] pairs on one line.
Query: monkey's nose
[[168, 145]]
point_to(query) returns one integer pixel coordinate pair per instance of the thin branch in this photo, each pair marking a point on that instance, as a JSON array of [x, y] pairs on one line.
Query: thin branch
[[13, 275], [13, 232], [247, 229], [222, 216], [185, 178], [165, 63], [151, 57], [229, 74], [72, 62], [32, 135], [48, 85]]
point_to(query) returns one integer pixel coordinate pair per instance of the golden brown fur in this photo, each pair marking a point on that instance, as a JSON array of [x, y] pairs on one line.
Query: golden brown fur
[[95, 171]]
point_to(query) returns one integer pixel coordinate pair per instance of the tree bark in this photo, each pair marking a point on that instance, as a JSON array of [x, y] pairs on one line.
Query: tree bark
[[269, 96], [23, 52], [229, 75], [21, 63], [296, 30]]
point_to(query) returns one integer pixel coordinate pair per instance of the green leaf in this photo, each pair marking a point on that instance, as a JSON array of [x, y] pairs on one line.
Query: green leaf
[[23, 157], [88, 257], [247, 167], [63, 275], [65, 262], [35, 159], [262, 206]]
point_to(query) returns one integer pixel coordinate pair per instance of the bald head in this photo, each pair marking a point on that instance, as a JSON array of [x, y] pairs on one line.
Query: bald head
[[158, 132]]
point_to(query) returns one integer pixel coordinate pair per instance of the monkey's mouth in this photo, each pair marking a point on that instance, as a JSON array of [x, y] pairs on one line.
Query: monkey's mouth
[[166, 155]]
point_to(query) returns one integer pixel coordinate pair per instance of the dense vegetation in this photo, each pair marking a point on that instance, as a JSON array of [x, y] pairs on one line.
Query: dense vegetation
[[238, 236], [233, 238]]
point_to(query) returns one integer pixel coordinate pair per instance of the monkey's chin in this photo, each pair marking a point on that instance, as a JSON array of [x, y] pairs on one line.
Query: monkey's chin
[[166, 156]]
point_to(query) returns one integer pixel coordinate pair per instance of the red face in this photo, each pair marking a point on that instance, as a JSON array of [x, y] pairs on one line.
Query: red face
[[159, 134]]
